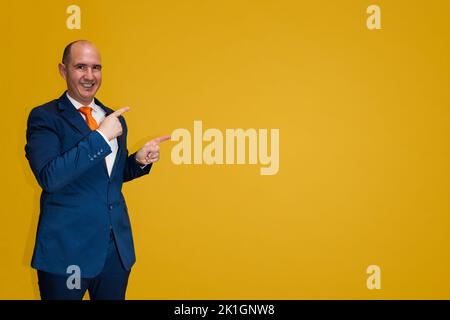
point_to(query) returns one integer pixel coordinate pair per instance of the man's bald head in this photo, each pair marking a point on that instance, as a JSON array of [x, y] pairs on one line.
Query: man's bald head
[[67, 50]]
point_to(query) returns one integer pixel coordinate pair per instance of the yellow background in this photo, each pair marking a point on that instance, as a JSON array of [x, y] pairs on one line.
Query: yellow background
[[364, 155]]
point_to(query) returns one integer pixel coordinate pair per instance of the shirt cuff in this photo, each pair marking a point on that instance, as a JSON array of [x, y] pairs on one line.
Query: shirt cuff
[[140, 165]]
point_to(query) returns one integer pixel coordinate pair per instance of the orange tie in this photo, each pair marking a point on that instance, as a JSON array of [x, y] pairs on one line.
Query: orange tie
[[87, 111]]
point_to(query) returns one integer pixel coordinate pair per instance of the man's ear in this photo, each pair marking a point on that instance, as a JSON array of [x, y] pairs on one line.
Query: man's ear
[[62, 70]]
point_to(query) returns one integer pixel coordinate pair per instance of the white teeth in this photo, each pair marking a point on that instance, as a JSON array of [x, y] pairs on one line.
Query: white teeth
[[87, 85]]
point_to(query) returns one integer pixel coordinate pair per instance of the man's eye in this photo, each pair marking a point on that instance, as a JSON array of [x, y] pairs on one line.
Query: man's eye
[[80, 67]]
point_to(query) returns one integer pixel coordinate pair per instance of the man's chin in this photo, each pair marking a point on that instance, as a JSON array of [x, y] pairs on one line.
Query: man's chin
[[88, 94]]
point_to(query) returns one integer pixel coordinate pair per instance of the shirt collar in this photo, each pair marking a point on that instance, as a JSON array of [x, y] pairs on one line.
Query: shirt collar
[[78, 105]]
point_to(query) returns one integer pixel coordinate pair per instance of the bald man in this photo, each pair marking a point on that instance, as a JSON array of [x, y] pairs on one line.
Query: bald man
[[77, 150]]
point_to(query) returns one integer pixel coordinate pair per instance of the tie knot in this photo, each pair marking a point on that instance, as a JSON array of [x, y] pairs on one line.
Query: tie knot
[[87, 111]]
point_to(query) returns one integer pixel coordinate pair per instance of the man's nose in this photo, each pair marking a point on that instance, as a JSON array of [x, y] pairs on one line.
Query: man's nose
[[89, 75]]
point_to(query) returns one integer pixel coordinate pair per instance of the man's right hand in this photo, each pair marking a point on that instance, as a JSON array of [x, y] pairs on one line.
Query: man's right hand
[[111, 127]]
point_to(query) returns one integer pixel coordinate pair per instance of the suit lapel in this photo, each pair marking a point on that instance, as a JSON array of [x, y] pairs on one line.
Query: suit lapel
[[70, 113]]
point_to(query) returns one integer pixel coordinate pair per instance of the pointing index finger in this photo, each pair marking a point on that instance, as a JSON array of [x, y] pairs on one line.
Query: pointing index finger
[[119, 112], [161, 139]]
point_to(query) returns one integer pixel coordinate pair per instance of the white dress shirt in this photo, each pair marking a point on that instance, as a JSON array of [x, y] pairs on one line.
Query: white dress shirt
[[99, 115]]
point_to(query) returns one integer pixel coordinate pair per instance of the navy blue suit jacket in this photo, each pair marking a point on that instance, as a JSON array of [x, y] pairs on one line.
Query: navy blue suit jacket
[[79, 203]]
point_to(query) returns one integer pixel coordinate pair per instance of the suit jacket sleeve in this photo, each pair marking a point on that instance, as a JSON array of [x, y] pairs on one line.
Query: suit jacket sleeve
[[52, 168], [132, 169]]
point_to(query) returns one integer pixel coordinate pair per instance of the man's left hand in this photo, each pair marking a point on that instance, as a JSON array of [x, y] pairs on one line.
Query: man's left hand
[[149, 153]]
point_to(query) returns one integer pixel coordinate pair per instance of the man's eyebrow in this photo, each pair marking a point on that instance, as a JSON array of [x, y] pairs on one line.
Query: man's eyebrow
[[85, 64]]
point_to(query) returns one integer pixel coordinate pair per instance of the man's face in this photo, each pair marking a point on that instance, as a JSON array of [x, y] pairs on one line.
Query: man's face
[[83, 73]]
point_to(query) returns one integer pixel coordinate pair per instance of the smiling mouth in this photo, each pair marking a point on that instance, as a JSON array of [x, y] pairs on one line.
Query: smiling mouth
[[87, 85]]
